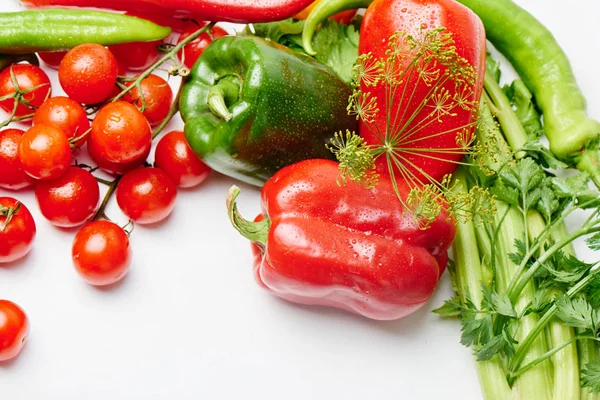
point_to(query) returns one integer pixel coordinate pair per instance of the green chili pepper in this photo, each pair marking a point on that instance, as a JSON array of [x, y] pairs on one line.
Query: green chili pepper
[[58, 29], [251, 107], [546, 71]]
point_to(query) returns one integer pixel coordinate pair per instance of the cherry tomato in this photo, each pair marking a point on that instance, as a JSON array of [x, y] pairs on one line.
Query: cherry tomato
[[69, 200], [45, 152], [177, 159], [120, 134], [17, 230], [146, 195], [12, 176], [14, 328], [112, 167], [52, 59], [28, 77], [65, 114], [156, 101], [192, 51], [101, 253], [136, 56], [88, 73]]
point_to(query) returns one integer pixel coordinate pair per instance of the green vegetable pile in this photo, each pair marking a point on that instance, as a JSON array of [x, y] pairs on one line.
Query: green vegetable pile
[[529, 307]]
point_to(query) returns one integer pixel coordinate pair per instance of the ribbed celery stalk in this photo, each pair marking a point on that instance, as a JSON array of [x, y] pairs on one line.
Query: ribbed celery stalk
[[566, 367], [469, 277], [536, 383]]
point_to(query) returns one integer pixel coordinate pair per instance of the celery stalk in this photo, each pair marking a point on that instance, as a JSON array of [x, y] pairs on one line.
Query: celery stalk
[[536, 383], [566, 362], [469, 276]]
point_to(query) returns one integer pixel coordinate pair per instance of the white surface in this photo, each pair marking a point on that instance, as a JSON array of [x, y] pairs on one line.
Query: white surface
[[189, 322]]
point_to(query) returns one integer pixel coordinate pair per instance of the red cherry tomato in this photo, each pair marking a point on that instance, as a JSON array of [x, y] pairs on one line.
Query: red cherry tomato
[[136, 56], [156, 100], [101, 253], [88, 73], [146, 195], [65, 114], [120, 133], [14, 328], [28, 77], [45, 152], [69, 200], [52, 59], [177, 159], [12, 176], [113, 167], [17, 230], [192, 51]]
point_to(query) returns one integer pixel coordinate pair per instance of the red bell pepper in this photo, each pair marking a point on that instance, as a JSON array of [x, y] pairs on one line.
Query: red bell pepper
[[242, 11], [343, 246], [427, 102]]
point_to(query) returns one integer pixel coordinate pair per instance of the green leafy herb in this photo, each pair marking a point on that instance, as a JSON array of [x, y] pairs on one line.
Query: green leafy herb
[[543, 155], [590, 376], [593, 291], [578, 313], [476, 329], [593, 242], [503, 343], [450, 309]]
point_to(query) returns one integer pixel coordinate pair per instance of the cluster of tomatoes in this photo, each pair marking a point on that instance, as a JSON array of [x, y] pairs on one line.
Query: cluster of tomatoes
[[113, 116]]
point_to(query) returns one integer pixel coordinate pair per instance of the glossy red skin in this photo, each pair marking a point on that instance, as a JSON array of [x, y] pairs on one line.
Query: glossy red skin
[[346, 246], [136, 56], [158, 97], [120, 134], [52, 59], [28, 76], [101, 253], [193, 50], [16, 238], [14, 328], [177, 159], [242, 11], [115, 168], [146, 195], [45, 152], [66, 114], [88, 73], [12, 177], [385, 17], [70, 200]]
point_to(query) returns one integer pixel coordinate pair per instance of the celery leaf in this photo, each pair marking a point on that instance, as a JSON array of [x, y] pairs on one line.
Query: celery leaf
[[590, 376], [577, 313], [450, 309]]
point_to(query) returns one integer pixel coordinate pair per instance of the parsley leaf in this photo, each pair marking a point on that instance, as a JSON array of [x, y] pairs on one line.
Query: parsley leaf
[[593, 291], [590, 376], [593, 242], [548, 204], [543, 155], [576, 187], [577, 313], [525, 176], [450, 309], [476, 329], [499, 344]]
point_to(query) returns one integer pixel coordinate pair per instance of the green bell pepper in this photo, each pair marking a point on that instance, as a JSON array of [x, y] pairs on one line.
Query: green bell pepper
[[252, 107]]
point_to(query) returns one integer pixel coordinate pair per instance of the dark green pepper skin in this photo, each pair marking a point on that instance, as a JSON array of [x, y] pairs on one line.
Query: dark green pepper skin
[[284, 107]]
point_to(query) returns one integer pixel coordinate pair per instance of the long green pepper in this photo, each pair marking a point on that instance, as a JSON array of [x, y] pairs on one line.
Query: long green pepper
[[60, 29]]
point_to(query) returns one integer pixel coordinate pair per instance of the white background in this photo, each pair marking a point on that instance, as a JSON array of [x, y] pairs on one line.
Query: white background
[[189, 322]]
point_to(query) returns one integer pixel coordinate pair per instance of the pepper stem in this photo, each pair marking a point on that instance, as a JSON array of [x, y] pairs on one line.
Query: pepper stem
[[254, 231], [321, 12], [590, 163], [226, 90]]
